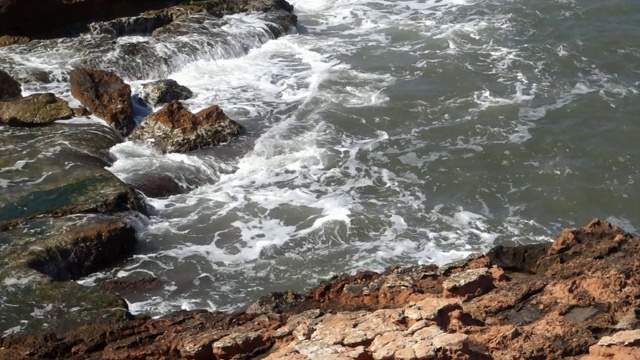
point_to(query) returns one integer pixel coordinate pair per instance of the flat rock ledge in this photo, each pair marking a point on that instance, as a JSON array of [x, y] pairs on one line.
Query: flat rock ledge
[[575, 298]]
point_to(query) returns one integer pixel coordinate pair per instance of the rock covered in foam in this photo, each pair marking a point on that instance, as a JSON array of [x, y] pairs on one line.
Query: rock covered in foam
[[34, 110], [175, 129]]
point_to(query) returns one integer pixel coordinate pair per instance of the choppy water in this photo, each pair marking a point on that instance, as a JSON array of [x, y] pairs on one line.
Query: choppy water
[[380, 132]]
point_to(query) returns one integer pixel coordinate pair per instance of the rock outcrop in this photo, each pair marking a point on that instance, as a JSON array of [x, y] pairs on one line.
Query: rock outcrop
[[164, 91], [175, 129], [20, 20], [34, 110], [106, 95], [576, 298], [9, 88], [62, 216], [53, 18]]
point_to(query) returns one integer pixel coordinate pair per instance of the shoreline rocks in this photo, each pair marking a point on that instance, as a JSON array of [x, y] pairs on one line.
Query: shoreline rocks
[[9, 88], [34, 110], [164, 91], [106, 95], [20, 22], [175, 129], [575, 298]]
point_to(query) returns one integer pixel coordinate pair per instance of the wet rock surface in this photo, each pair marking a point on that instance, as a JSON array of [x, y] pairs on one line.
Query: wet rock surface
[[9, 88], [34, 110], [106, 95], [175, 129], [408, 313], [164, 91], [62, 216]]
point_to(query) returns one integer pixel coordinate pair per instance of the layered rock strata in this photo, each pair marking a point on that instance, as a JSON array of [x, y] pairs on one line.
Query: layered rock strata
[[575, 298]]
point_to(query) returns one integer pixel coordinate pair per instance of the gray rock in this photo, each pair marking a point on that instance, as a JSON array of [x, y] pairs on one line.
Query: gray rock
[[9, 88], [164, 91]]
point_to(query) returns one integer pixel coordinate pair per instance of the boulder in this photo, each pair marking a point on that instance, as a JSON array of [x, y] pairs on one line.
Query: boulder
[[9, 88], [34, 110], [164, 91], [175, 129], [106, 95]]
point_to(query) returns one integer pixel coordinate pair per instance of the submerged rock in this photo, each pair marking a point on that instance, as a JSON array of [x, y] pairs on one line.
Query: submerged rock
[[156, 185], [175, 129], [106, 95], [9, 88], [164, 91], [34, 110]]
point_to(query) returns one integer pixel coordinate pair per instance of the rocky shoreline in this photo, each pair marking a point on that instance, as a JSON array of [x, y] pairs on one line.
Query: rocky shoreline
[[575, 298], [66, 216]]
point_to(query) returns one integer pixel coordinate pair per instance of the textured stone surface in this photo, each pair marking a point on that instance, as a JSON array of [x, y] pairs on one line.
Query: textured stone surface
[[164, 91], [9, 88], [34, 110], [175, 129], [569, 304], [106, 95]]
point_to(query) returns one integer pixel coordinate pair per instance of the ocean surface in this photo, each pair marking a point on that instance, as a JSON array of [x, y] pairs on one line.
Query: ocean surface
[[379, 132]]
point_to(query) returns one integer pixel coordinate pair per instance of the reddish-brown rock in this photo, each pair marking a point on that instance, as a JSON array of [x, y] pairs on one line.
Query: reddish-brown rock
[[175, 129], [574, 299], [106, 95], [9, 88]]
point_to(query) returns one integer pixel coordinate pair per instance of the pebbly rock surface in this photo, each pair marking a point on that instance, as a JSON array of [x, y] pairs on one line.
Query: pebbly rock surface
[[164, 91], [175, 129], [34, 110], [9, 88], [575, 298], [106, 95]]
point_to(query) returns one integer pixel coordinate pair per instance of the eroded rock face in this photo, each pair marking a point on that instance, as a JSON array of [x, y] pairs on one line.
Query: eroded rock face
[[9, 88], [34, 110], [106, 95], [175, 129], [579, 302], [164, 91]]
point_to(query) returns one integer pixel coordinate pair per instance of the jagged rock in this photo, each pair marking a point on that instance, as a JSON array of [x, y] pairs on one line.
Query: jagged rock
[[34, 110], [469, 283], [106, 95], [164, 91], [554, 305], [175, 129], [9, 88], [620, 346]]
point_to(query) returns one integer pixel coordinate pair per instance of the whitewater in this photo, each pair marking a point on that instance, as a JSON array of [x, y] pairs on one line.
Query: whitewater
[[378, 133]]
